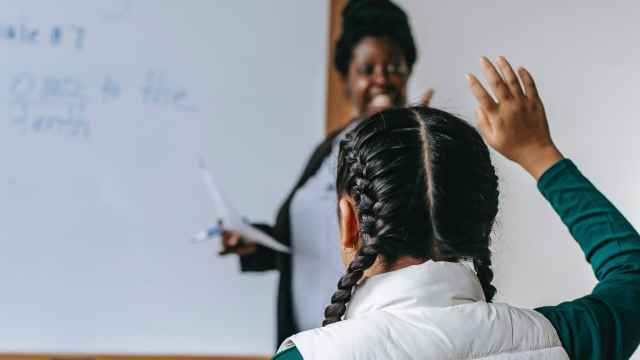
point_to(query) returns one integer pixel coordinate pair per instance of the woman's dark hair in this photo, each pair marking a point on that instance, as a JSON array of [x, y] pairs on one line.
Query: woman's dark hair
[[378, 18], [423, 186]]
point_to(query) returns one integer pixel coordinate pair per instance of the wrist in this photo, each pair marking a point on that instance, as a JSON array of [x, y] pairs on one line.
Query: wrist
[[540, 159]]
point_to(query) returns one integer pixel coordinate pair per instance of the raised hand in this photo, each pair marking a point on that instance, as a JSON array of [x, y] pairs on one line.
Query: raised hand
[[514, 123]]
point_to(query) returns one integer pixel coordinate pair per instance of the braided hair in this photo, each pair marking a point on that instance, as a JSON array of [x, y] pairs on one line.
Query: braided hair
[[378, 18], [423, 186]]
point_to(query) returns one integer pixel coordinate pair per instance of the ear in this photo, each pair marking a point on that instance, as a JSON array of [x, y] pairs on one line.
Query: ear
[[349, 226]]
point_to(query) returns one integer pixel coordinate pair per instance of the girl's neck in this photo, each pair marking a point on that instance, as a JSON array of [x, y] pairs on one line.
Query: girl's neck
[[379, 267]]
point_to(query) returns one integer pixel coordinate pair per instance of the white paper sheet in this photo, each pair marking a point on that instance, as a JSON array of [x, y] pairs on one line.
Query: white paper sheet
[[231, 219]]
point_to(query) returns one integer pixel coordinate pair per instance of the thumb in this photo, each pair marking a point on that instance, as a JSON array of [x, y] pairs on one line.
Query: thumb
[[483, 124], [426, 97]]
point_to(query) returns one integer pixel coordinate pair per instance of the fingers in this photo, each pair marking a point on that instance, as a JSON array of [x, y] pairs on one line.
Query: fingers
[[230, 243], [505, 84], [483, 123], [231, 239], [480, 93], [529, 84], [495, 80], [425, 100], [510, 77]]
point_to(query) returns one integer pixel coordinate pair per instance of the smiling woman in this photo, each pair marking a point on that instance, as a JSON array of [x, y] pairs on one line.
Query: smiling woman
[[358, 47], [377, 76]]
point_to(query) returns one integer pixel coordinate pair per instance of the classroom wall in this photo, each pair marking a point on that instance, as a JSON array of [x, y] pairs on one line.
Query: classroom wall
[[584, 56], [105, 108], [94, 251]]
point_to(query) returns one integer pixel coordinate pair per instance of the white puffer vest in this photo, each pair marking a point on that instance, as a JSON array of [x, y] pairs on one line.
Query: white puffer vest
[[435, 310]]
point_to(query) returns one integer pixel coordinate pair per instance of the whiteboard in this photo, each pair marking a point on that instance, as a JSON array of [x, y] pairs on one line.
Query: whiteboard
[[105, 108]]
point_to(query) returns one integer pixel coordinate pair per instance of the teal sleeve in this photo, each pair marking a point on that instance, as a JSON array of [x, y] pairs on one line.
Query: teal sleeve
[[291, 353], [606, 323]]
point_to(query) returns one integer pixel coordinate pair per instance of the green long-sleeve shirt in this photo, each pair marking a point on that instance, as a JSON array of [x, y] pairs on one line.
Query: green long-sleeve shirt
[[606, 323]]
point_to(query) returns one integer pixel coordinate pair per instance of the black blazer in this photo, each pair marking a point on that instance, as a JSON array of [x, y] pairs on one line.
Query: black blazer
[[266, 259]]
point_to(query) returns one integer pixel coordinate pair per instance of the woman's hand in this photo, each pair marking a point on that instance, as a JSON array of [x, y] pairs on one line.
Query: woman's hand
[[232, 243], [516, 124], [425, 100]]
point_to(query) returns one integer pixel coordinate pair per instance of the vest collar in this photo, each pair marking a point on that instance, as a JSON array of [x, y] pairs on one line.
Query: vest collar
[[430, 284]]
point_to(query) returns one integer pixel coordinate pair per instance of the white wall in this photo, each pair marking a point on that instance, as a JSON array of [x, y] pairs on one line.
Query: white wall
[[584, 56], [99, 184], [93, 248]]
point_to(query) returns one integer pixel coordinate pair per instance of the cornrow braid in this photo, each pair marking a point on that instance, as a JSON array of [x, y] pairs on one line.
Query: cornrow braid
[[366, 256], [482, 264]]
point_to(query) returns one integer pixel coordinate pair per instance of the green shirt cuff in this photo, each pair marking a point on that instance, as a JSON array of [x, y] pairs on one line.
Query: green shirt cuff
[[554, 172]]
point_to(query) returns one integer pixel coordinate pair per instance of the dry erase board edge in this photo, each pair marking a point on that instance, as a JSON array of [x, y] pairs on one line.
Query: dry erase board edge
[[7, 356]]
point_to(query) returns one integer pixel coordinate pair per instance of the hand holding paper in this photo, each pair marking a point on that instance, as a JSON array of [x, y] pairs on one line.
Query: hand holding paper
[[231, 219]]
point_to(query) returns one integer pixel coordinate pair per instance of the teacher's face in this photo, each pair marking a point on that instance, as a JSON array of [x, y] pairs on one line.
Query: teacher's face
[[377, 77]]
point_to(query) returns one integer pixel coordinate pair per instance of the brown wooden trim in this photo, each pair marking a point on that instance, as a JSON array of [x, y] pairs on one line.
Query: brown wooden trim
[[121, 357], [338, 108]]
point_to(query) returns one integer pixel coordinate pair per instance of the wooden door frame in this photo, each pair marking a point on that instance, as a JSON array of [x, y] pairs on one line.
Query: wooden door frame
[[338, 109]]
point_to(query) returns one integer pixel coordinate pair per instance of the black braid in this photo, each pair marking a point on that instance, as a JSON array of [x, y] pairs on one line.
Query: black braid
[[482, 264], [366, 256]]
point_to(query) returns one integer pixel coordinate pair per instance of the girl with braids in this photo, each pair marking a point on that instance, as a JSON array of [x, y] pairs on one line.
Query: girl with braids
[[374, 56], [418, 196]]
